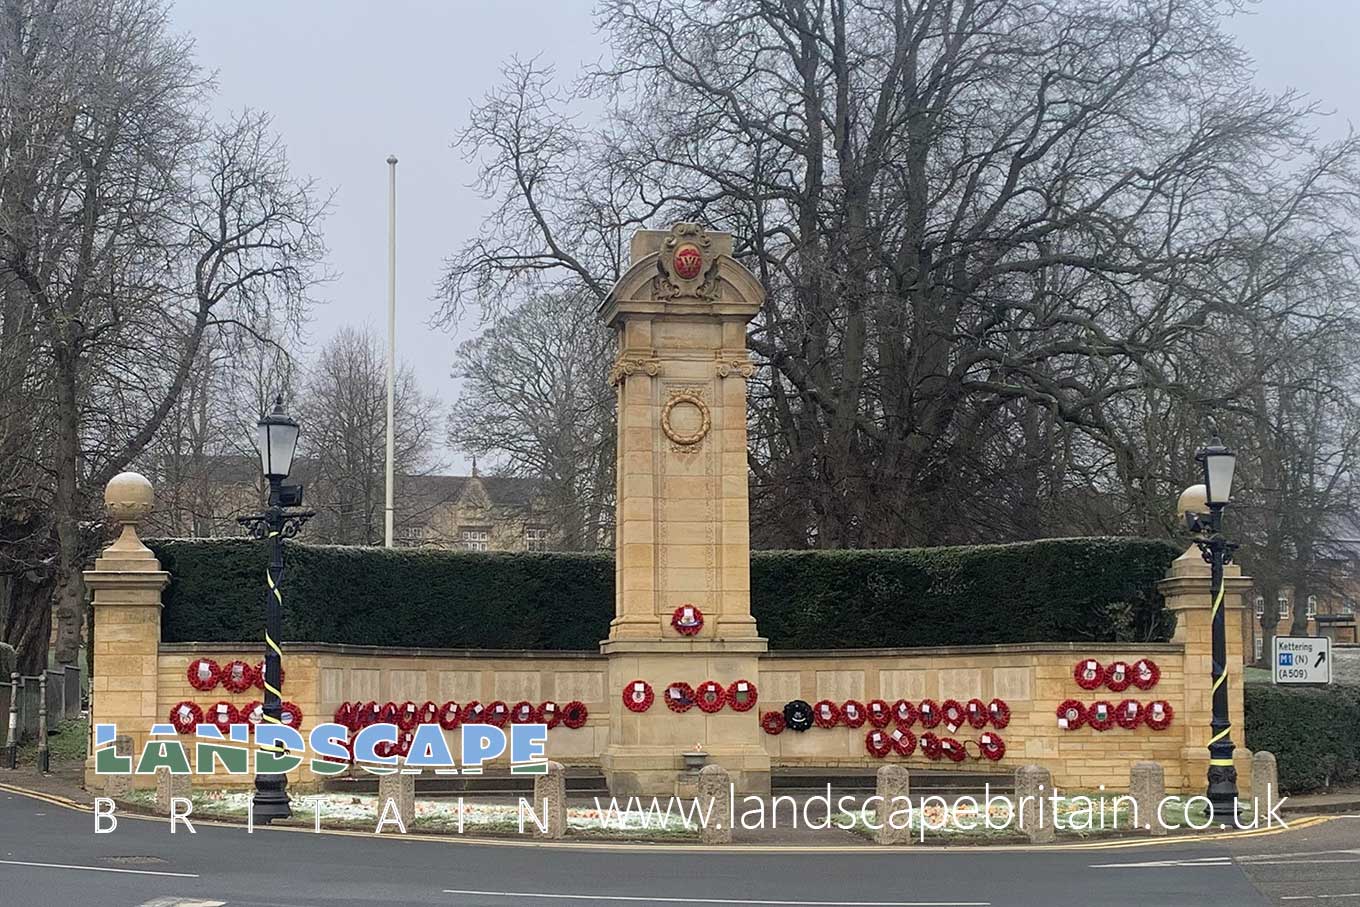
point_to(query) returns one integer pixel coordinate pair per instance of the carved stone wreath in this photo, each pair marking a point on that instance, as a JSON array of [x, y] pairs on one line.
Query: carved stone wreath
[[691, 438]]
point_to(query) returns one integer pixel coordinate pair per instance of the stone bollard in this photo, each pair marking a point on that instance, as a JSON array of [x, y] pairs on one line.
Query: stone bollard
[[1147, 786], [894, 784], [550, 801], [1265, 781], [400, 788], [1033, 787], [169, 786], [117, 786], [715, 787]]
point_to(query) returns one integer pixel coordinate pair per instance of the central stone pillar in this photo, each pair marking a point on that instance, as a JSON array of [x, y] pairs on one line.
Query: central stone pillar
[[682, 528]]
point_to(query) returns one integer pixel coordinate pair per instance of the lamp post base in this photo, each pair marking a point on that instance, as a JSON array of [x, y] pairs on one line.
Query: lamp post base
[[1222, 793], [271, 798]]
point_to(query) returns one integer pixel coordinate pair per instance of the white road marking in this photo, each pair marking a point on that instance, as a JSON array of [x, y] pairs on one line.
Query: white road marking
[[1257, 857], [1162, 864], [1316, 897], [135, 872], [180, 902], [652, 899], [1301, 862]]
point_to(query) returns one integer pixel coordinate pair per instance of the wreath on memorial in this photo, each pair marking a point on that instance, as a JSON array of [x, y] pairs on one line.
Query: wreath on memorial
[[1088, 674], [852, 713], [1129, 714], [877, 743], [710, 696], [977, 713], [1118, 676], [679, 696], [290, 715], [186, 716], [904, 713], [826, 713], [408, 715], [222, 715], [952, 749], [203, 674], [369, 713], [1146, 674], [237, 676], [772, 723], [741, 695], [879, 713], [638, 696], [449, 715], [1100, 716], [574, 714], [798, 715], [548, 713], [954, 717], [1000, 712], [930, 713], [252, 713], [992, 746], [429, 713], [259, 676], [497, 714], [930, 746], [344, 715], [903, 741], [687, 620], [1158, 715], [522, 712], [1071, 714], [473, 712]]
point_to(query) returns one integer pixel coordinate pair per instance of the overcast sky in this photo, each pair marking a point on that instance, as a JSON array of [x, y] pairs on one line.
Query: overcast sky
[[350, 82]]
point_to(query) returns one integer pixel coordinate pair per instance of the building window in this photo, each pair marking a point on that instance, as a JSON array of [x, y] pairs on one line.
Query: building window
[[1347, 605], [1312, 606], [410, 535], [1282, 606], [1260, 643], [475, 539], [535, 538], [1260, 606]]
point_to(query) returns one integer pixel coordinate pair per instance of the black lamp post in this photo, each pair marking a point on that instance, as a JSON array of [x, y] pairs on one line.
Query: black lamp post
[[1217, 463], [278, 442]]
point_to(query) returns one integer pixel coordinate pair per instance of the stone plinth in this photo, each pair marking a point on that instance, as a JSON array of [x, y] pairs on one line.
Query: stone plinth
[[1147, 786], [1033, 787], [115, 786], [126, 585], [550, 801], [715, 799], [682, 527], [170, 786], [1265, 780], [893, 789], [400, 788]]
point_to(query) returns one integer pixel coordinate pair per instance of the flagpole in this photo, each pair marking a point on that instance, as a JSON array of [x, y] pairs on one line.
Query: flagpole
[[391, 341]]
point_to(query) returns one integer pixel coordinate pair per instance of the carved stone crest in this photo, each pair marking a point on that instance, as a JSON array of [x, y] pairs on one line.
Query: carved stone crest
[[687, 265]]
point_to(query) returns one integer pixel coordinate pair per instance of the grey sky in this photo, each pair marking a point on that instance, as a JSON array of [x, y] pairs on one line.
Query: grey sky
[[349, 82]]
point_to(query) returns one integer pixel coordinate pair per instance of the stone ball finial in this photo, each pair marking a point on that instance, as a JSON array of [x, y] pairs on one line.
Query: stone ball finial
[[129, 497], [1194, 499]]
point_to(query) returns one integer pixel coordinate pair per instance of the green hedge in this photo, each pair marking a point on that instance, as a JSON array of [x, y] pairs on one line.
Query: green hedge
[[1046, 591], [1314, 733]]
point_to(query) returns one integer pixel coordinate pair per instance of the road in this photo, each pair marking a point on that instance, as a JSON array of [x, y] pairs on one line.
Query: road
[[49, 855]]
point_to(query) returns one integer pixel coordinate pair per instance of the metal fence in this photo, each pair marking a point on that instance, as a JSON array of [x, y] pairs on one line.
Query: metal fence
[[63, 700]]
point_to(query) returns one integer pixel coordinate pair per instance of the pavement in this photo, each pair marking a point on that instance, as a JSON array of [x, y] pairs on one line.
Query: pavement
[[50, 855]]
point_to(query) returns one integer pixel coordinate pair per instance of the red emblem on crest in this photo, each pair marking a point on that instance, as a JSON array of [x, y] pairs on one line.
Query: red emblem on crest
[[687, 262]]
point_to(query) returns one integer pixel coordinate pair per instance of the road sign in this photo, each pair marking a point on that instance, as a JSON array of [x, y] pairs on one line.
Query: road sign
[[1303, 659]]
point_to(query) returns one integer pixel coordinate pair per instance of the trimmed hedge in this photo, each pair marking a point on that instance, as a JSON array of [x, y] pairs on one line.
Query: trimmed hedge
[[1314, 733], [1054, 590]]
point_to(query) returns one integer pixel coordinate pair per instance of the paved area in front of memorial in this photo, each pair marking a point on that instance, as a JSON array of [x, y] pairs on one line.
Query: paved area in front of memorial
[[50, 855]]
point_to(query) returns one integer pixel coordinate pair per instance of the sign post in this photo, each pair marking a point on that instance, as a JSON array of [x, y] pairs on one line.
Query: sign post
[[1303, 660]]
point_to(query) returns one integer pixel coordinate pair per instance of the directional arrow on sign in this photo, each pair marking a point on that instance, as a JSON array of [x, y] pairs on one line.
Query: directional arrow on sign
[[1322, 656]]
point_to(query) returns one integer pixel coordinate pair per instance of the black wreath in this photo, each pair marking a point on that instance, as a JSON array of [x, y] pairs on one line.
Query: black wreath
[[798, 715]]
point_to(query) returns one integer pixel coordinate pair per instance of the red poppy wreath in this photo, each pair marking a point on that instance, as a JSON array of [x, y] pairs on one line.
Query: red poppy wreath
[[638, 696]]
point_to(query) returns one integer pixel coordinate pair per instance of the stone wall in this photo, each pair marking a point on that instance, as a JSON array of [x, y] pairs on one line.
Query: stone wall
[[1346, 664]]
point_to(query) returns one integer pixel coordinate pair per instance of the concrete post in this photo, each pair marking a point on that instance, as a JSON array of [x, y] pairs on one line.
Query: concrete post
[[117, 786], [169, 786], [44, 754], [715, 787], [550, 800], [1147, 786], [894, 790], [1265, 781], [12, 731], [126, 584], [1033, 787], [401, 789]]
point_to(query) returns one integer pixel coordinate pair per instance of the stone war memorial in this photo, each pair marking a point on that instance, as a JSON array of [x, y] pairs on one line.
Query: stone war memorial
[[685, 677]]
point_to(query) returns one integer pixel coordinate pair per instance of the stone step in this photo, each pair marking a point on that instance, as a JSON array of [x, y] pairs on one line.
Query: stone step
[[801, 780], [579, 783]]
